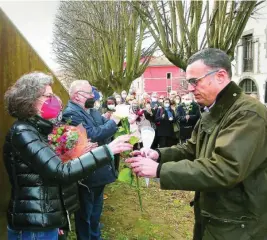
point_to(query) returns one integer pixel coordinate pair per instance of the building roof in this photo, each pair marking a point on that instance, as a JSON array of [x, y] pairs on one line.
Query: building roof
[[160, 61]]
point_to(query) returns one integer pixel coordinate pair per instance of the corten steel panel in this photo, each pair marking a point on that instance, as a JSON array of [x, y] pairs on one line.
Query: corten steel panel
[[17, 57]]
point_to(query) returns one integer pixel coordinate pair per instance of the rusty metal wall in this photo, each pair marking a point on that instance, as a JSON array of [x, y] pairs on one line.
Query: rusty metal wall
[[17, 57]]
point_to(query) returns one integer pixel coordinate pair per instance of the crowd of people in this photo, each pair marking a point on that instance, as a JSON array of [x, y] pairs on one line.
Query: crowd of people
[[172, 117], [219, 152]]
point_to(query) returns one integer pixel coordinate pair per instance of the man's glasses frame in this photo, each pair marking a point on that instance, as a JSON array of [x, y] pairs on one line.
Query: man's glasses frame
[[193, 81], [89, 93]]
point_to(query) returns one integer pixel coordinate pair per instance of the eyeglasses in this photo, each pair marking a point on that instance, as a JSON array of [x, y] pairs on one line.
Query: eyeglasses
[[193, 81], [49, 95], [88, 93]]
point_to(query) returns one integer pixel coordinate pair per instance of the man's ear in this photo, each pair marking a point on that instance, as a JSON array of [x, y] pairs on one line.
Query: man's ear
[[75, 96], [221, 76]]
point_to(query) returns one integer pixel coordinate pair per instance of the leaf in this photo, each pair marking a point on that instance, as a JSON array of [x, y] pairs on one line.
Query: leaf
[[126, 176], [133, 140], [125, 154], [117, 134], [121, 129]]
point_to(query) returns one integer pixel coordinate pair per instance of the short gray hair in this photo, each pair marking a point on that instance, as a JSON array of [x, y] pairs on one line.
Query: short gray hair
[[77, 85], [213, 58], [20, 99]]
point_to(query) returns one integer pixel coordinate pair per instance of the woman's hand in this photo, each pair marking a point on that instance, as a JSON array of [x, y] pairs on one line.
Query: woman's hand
[[120, 144], [90, 146]]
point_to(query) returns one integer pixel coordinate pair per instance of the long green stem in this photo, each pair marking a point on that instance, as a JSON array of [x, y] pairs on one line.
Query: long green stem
[[139, 193], [126, 127]]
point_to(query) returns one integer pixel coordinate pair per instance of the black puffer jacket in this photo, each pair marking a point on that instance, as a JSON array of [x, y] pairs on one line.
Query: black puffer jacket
[[44, 190]]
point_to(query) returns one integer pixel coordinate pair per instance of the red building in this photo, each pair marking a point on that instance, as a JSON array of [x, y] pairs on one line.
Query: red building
[[162, 76]]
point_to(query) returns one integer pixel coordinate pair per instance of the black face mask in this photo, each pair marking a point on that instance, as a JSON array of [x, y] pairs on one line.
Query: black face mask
[[89, 103]]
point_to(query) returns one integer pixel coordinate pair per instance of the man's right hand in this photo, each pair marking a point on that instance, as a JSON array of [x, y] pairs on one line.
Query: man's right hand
[[107, 115], [146, 152], [115, 119]]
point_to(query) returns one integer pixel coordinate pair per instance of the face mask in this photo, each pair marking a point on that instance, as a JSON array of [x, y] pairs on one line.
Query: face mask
[[154, 99], [187, 102], [160, 100], [111, 107], [89, 103], [124, 95], [166, 105], [148, 107], [56, 120], [51, 108]]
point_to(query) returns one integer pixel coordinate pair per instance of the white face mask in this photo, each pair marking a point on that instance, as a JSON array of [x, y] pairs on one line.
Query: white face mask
[[123, 95], [111, 107], [154, 99], [166, 105], [186, 102]]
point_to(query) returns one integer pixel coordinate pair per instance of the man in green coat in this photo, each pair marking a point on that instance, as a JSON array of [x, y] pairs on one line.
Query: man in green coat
[[225, 161]]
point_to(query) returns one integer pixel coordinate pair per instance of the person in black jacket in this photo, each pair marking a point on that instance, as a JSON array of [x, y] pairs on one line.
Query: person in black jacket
[[150, 115], [188, 114], [43, 188], [165, 118]]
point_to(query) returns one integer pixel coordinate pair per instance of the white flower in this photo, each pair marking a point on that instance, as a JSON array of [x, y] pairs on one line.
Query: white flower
[[122, 111]]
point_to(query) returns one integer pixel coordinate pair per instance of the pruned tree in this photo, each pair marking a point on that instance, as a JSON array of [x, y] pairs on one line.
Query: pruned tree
[[102, 42], [181, 28]]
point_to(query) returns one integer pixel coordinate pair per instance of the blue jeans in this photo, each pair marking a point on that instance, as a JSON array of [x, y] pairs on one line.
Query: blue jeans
[[29, 235], [88, 216]]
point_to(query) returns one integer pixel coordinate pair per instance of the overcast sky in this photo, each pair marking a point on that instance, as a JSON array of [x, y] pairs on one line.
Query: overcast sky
[[34, 19]]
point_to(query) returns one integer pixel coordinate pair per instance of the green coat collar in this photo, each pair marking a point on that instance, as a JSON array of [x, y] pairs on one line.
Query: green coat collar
[[225, 99]]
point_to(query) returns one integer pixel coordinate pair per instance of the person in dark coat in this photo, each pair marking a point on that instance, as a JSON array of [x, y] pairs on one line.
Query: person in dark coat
[[150, 115], [165, 117], [80, 110], [43, 189], [188, 114]]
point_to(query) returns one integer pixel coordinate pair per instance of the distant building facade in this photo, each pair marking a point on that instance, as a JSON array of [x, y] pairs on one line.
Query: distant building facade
[[160, 76], [250, 64]]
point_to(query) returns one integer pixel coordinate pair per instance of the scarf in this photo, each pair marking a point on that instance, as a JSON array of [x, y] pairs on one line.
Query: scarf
[[168, 109]]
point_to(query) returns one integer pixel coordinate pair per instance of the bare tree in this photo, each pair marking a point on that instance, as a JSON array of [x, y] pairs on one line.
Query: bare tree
[[102, 42], [181, 28]]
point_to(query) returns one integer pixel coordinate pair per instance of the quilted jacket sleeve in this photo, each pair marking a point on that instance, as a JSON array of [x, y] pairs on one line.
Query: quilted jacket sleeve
[[40, 157]]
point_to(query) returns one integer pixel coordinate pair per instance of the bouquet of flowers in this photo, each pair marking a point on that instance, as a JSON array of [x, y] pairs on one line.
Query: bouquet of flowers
[[69, 142]]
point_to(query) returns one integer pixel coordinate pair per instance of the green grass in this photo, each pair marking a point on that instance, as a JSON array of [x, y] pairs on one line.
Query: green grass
[[167, 214]]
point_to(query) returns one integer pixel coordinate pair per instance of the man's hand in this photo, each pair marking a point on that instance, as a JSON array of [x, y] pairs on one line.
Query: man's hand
[[107, 115], [146, 152], [143, 167], [115, 119], [187, 117], [120, 144]]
